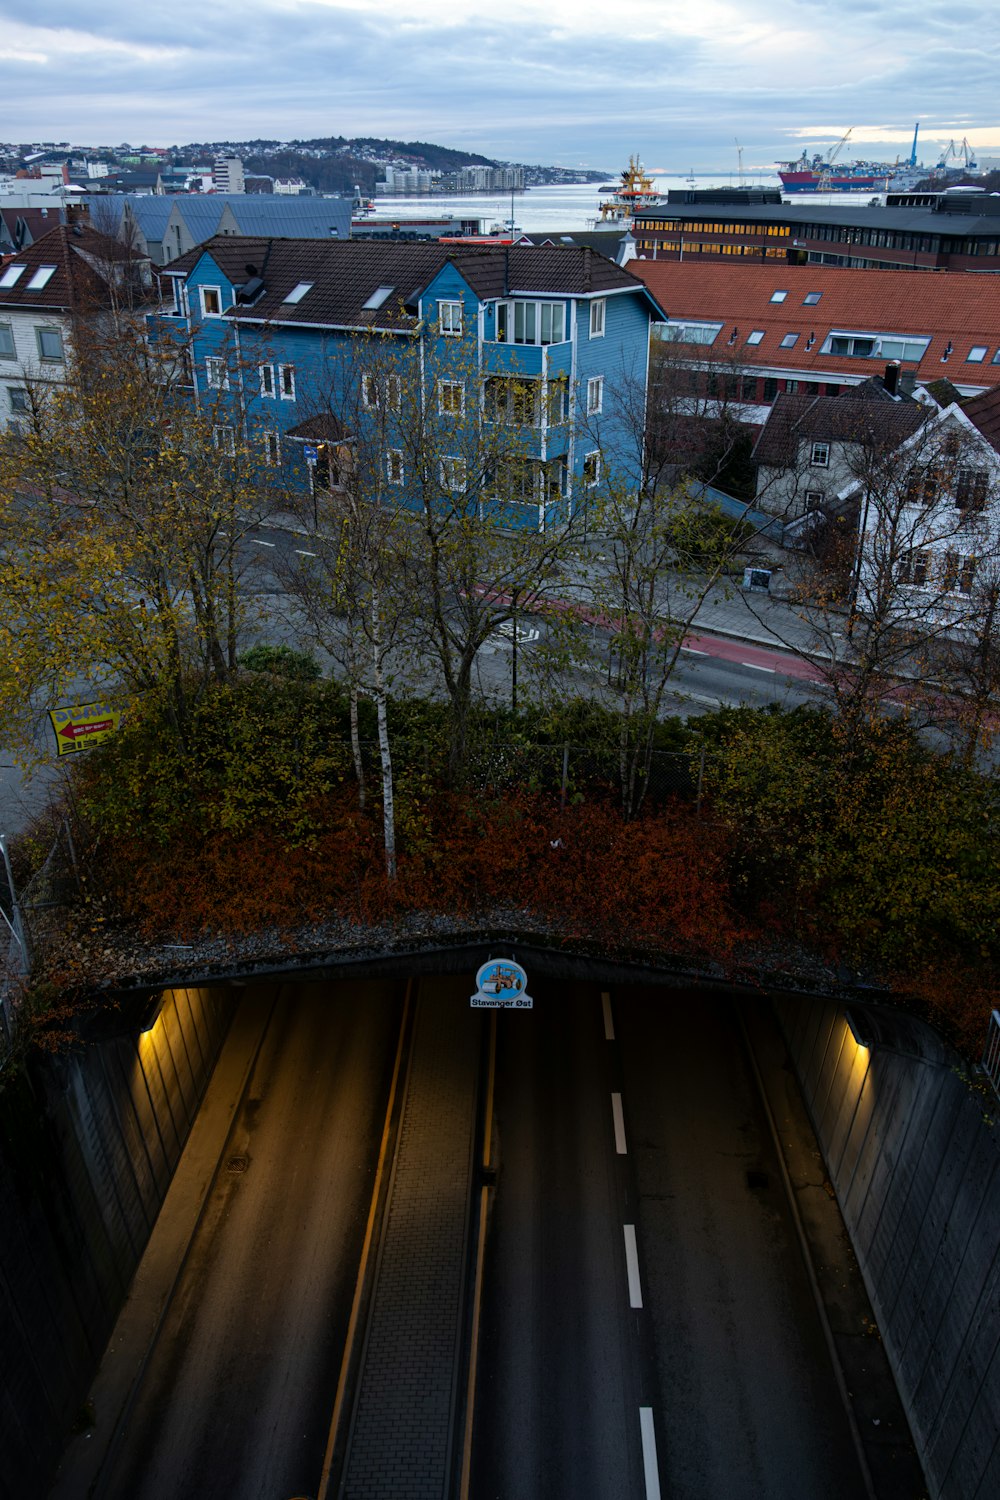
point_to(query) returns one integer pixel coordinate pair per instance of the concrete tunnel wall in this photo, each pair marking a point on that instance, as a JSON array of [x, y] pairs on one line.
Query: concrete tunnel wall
[[914, 1155], [88, 1147]]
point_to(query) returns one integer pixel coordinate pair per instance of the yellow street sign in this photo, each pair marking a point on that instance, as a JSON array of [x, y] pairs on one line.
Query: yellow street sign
[[83, 725]]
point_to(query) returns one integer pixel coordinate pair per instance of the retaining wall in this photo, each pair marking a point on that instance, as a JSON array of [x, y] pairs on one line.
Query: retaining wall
[[914, 1156], [88, 1146]]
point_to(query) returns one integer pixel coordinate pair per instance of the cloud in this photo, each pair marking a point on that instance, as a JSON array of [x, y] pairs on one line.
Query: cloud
[[577, 81]]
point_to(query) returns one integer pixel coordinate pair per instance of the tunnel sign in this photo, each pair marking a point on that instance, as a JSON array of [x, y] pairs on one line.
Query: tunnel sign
[[83, 725], [501, 984]]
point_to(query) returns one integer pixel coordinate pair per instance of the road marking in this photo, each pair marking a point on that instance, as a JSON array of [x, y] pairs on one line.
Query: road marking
[[632, 1267], [649, 1464], [757, 667], [619, 1119], [609, 1025], [304, 554], [691, 651], [262, 544]]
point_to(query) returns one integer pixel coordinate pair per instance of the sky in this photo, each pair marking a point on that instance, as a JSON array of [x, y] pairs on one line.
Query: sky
[[571, 83]]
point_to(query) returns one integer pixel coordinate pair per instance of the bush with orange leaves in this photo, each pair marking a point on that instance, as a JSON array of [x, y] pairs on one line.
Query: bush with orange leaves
[[659, 881]]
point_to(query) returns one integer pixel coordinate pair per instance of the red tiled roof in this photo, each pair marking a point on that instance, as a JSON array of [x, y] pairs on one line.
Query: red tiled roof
[[957, 307]]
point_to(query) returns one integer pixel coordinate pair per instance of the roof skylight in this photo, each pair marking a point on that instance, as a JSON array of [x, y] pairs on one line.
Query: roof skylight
[[298, 292], [11, 275], [778, 296], [811, 298], [41, 278], [380, 295]]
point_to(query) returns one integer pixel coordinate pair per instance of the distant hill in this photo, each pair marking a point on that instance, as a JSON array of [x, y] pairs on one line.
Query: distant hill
[[335, 164]]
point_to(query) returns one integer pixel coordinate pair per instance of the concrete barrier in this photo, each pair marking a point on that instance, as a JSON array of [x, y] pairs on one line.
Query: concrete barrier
[[914, 1157], [88, 1146]]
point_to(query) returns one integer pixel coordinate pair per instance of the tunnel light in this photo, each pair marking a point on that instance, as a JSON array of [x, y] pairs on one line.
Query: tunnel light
[[858, 1029]]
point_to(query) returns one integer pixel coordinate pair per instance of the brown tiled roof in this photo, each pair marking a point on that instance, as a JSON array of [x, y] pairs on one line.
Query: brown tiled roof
[[794, 419], [984, 412], [960, 308], [74, 282], [345, 273]]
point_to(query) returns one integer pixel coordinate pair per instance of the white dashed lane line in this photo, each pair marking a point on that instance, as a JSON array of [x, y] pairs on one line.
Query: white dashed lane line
[[619, 1119], [757, 667], [632, 1267], [649, 1464], [262, 543], [304, 554], [691, 651]]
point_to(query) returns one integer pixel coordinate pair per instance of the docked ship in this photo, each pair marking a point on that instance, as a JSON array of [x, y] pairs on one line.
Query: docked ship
[[634, 191], [816, 175]]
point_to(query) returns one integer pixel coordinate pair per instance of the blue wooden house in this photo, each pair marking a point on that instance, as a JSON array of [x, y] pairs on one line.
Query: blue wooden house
[[526, 362]]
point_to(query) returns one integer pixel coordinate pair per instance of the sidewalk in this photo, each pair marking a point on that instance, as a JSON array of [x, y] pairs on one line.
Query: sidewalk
[[879, 1423], [163, 1259]]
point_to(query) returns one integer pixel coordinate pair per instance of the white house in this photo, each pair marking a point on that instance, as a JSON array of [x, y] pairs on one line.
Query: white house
[[929, 521], [69, 273]]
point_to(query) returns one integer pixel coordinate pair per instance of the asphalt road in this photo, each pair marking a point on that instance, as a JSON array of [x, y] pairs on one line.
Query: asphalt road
[[725, 1347], [237, 1395]]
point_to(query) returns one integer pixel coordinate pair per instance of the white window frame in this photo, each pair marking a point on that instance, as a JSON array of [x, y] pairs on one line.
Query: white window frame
[[814, 498], [224, 438], [50, 359], [216, 374], [272, 447], [289, 372], [593, 459], [451, 391], [267, 380], [450, 318], [597, 315], [374, 395], [595, 395], [454, 473], [394, 467], [216, 291], [509, 314], [819, 456], [9, 329]]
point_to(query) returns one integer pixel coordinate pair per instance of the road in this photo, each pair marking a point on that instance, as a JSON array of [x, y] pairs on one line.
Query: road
[[237, 1395], [726, 1349]]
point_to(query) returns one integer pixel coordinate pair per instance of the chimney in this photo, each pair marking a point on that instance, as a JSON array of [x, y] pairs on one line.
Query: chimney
[[891, 377], [907, 382]]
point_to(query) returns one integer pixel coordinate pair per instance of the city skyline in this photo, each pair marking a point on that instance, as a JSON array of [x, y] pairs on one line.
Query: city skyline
[[580, 87]]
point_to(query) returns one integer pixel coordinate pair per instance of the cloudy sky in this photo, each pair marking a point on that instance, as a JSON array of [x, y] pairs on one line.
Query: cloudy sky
[[573, 81]]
